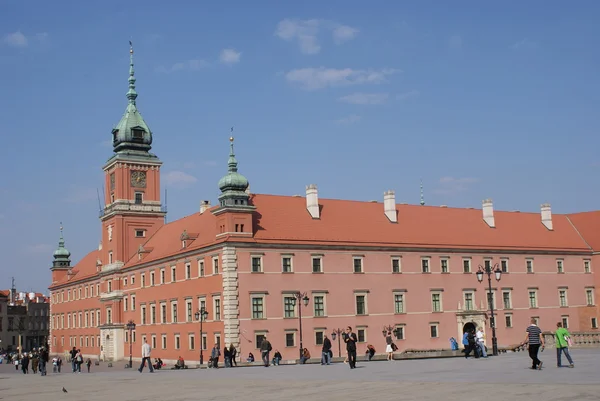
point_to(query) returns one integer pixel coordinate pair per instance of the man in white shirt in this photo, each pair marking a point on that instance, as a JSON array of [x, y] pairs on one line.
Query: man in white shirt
[[146, 350], [481, 341]]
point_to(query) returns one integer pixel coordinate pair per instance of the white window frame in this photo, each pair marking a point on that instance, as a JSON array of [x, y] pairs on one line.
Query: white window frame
[[403, 295], [366, 307], [217, 317], [504, 262], [259, 258], [590, 291], [177, 341], [437, 330], [566, 297], [291, 258], [163, 312], [162, 275], [441, 300], [587, 266], [425, 264], [364, 330], [163, 341], [594, 322], [560, 266], [143, 319], [473, 300], [152, 279], [191, 341], [469, 267], [401, 327], [510, 317], [174, 308], [312, 264], [529, 261], [509, 291], [361, 265], [263, 312], [201, 271], [215, 265], [188, 270], [397, 259], [321, 295], [535, 297], [174, 274]]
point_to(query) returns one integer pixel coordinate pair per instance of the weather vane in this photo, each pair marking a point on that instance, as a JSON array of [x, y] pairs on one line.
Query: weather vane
[[231, 137]]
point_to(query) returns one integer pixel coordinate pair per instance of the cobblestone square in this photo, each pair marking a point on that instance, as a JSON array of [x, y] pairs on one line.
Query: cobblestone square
[[493, 379]]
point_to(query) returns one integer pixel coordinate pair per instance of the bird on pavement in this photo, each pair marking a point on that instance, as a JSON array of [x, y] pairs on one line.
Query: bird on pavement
[[65, 390]]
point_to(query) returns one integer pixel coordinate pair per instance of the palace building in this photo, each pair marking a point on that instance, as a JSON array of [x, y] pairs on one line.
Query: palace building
[[255, 262]]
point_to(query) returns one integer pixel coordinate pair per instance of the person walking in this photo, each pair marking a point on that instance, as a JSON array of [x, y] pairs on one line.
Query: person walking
[[562, 345], [146, 351], [350, 340], [265, 348], [481, 341], [535, 341], [389, 346], [215, 353], [325, 357]]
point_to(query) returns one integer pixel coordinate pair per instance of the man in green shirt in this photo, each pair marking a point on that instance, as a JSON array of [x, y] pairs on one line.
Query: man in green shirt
[[562, 345]]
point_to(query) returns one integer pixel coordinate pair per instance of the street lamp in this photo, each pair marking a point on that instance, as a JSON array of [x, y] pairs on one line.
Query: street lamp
[[388, 329], [489, 270], [130, 327], [304, 298], [201, 315], [338, 333]]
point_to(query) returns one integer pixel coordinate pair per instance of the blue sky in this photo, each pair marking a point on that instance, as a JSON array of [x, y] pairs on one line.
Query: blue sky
[[479, 100]]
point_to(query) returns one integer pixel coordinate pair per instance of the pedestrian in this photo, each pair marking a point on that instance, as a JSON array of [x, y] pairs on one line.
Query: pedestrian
[[146, 351], [233, 353], [325, 359], [265, 348], [88, 363], [562, 345], [535, 341], [214, 356], [350, 340], [481, 341], [389, 346]]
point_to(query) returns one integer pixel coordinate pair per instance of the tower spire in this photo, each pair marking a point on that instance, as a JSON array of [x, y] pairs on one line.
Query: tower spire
[[422, 197], [232, 163], [131, 93]]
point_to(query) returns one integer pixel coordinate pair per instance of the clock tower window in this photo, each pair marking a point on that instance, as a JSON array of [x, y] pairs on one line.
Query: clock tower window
[[139, 198]]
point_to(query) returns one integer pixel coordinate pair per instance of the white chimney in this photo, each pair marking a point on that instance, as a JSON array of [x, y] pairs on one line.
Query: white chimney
[[312, 201], [204, 206], [389, 206], [547, 216], [488, 213]]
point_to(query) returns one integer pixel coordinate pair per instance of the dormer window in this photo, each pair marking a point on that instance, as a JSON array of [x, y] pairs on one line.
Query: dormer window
[[137, 134]]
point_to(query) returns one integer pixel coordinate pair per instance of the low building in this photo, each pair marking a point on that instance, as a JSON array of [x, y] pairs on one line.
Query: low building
[[24, 320], [256, 262]]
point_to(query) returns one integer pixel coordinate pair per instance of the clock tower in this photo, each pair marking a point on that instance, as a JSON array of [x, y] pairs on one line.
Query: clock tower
[[132, 211]]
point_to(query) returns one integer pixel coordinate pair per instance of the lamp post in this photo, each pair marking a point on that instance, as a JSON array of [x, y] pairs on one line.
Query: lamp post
[[130, 327], [201, 315], [300, 297], [497, 272], [388, 329], [338, 333]]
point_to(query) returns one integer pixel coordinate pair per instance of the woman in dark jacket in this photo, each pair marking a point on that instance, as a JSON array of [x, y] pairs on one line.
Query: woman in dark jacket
[[233, 353]]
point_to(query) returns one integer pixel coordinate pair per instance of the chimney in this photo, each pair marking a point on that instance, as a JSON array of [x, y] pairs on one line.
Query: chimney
[[389, 206], [312, 200], [204, 206], [488, 213], [547, 216]]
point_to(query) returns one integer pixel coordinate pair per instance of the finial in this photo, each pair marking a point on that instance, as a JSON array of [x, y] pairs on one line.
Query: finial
[[131, 93], [422, 197], [61, 241], [232, 163]]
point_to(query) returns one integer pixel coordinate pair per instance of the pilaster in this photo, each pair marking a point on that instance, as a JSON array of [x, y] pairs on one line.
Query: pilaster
[[231, 305]]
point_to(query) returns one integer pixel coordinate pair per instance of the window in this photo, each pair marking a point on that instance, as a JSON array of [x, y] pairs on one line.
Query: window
[[589, 296], [204, 341], [508, 320], [396, 265], [259, 338], [202, 303], [466, 265], [399, 332], [487, 264], [133, 302], [506, 299], [317, 264], [132, 281], [124, 285], [290, 339], [565, 321], [173, 274], [216, 265], [504, 265], [319, 337], [143, 278], [398, 303], [152, 278], [173, 312], [361, 304], [217, 309], [425, 265], [289, 307], [532, 298], [258, 311], [153, 341], [200, 268], [163, 313], [436, 302], [562, 298], [163, 340], [140, 233], [491, 299], [191, 342], [286, 264], [433, 330], [594, 323], [152, 314], [358, 265], [143, 313], [139, 198], [529, 265], [162, 276], [188, 308], [109, 285], [444, 265], [188, 271], [110, 257], [469, 300], [361, 335], [177, 341], [256, 264], [559, 266], [587, 268], [319, 305]]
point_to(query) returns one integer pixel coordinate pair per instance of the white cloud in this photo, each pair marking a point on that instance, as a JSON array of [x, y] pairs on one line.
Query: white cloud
[[351, 119], [40, 248], [318, 78], [16, 39], [179, 179], [230, 56], [189, 65], [455, 42], [406, 95], [79, 195], [306, 33], [524, 44], [365, 98], [453, 185]]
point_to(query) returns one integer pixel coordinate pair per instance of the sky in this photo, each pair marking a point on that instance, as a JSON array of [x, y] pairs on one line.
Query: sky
[[495, 100]]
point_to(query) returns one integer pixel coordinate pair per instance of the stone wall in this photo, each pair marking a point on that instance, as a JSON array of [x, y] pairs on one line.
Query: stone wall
[[231, 305]]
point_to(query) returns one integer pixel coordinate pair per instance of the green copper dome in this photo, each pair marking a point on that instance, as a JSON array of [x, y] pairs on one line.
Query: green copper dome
[[233, 181]]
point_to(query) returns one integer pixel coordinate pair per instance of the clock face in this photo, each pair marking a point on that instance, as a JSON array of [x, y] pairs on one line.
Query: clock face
[[138, 179]]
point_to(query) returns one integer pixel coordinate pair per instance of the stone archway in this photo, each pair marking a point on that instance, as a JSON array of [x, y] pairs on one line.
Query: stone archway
[[469, 320], [469, 326]]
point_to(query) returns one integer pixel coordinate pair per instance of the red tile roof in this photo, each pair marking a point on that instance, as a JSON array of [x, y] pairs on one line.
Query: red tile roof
[[588, 225]]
